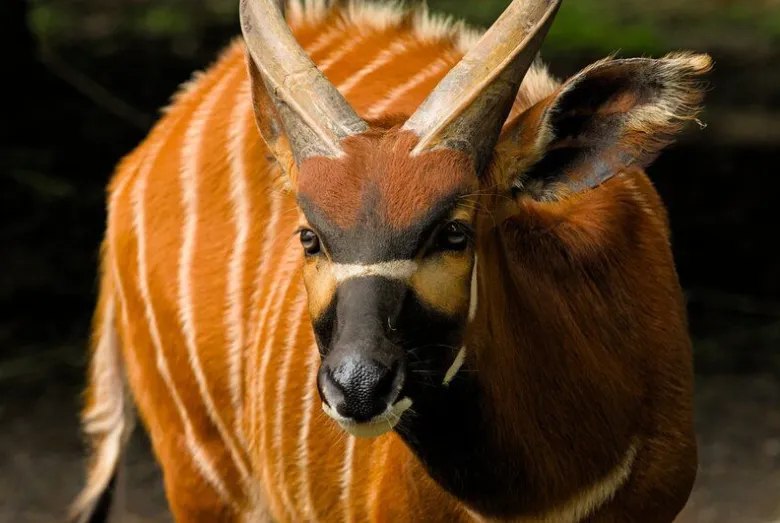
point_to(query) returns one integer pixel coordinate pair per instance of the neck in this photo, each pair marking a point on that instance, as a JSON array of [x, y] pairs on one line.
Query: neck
[[539, 421]]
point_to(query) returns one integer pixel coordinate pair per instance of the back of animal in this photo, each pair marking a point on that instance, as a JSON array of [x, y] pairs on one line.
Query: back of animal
[[292, 260], [202, 275]]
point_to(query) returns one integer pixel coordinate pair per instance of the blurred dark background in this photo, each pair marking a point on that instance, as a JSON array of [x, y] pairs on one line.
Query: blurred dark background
[[87, 79]]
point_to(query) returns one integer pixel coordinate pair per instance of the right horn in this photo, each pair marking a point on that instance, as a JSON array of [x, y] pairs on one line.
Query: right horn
[[469, 107]]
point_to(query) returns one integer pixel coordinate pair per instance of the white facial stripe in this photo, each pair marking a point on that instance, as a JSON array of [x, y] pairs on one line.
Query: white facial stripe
[[395, 270], [473, 301], [379, 425], [455, 367]]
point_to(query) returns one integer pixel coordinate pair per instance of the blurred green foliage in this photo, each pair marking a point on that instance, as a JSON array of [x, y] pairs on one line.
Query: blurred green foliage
[[48, 21], [594, 26], [163, 19], [584, 25], [647, 28]]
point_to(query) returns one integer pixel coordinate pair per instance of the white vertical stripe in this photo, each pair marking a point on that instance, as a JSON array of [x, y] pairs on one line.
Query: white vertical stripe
[[189, 179], [375, 492], [199, 456], [290, 346], [346, 478], [433, 70], [276, 302], [474, 291], [310, 402], [238, 195], [262, 280], [262, 321]]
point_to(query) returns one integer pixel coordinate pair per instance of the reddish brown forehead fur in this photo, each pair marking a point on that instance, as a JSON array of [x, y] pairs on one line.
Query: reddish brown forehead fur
[[379, 162]]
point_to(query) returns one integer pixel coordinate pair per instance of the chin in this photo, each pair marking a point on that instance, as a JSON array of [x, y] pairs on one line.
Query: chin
[[373, 428]]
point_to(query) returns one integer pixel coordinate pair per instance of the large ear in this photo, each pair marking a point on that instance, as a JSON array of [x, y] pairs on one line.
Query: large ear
[[611, 116]]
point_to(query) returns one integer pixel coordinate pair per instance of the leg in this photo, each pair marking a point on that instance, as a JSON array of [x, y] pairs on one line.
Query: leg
[[190, 497]]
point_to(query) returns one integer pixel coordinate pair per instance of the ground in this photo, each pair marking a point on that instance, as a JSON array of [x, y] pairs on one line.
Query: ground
[[41, 469]]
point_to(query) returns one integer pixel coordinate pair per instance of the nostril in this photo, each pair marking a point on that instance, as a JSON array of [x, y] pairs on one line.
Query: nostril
[[331, 392], [386, 382], [361, 389], [399, 380]]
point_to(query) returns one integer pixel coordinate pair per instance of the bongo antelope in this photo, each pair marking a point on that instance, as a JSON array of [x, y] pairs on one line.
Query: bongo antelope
[[373, 265]]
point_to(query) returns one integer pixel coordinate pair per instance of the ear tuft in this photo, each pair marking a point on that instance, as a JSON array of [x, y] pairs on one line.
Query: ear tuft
[[679, 98]]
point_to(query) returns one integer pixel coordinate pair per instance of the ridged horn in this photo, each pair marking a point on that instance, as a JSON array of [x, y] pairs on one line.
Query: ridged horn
[[314, 115], [468, 108]]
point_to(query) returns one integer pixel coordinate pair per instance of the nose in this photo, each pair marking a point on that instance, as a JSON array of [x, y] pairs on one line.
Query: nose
[[360, 388]]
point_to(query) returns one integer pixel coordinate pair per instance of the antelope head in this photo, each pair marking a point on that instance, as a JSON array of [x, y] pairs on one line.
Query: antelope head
[[391, 216]]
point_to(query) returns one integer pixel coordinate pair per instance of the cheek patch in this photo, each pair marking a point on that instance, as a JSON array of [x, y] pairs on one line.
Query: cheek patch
[[439, 283], [320, 286]]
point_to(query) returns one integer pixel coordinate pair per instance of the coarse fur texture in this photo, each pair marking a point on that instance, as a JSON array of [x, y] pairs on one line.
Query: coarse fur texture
[[552, 381]]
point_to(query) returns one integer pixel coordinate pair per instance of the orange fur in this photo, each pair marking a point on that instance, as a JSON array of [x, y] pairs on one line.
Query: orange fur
[[594, 269], [378, 165]]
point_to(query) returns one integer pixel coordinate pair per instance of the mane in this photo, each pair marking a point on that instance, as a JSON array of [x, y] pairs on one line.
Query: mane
[[425, 26], [378, 15]]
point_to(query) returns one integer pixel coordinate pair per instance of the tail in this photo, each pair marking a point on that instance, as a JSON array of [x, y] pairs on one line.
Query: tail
[[107, 419]]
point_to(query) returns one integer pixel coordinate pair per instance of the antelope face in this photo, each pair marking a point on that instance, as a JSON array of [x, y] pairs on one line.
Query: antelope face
[[388, 219], [388, 240]]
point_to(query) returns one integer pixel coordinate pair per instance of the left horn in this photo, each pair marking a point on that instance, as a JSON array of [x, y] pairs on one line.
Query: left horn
[[468, 108], [314, 115]]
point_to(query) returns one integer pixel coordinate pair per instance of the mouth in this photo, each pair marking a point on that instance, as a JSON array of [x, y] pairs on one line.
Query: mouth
[[381, 424]]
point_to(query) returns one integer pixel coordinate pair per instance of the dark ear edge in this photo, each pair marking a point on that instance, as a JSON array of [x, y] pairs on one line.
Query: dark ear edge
[[612, 115]]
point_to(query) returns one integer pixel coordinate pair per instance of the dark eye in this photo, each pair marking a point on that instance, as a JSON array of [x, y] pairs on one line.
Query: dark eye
[[310, 242], [453, 237]]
